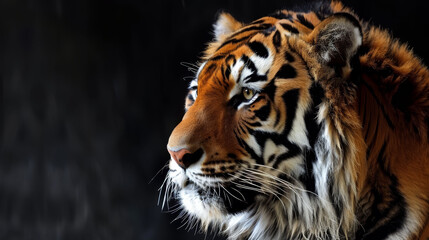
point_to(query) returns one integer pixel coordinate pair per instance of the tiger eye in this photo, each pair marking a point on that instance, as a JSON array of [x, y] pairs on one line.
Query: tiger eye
[[248, 93]]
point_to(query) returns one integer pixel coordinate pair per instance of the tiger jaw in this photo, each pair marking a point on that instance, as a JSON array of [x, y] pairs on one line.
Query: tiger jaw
[[207, 198], [207, 207]]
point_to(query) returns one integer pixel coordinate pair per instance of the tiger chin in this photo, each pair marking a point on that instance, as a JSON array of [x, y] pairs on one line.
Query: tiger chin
[[304, 125]]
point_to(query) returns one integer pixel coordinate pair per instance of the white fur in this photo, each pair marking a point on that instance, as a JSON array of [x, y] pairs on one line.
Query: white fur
[[235, 73], [251, 141], [206, 211], [271, 148], [298, 131], [263, 64], [222, 27]]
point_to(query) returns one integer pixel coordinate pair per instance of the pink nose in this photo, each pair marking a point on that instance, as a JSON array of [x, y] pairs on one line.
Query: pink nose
[[178, 156]]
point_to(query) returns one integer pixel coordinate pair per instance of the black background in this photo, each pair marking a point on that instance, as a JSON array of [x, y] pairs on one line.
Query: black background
[[90, 91]]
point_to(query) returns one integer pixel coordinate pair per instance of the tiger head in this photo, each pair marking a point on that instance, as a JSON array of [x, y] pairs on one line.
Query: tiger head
[[256, 141]]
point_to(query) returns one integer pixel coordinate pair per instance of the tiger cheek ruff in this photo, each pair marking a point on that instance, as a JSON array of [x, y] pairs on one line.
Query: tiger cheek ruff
[[304, 125]]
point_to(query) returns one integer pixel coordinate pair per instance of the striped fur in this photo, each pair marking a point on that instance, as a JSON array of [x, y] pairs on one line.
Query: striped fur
[[305, 125]]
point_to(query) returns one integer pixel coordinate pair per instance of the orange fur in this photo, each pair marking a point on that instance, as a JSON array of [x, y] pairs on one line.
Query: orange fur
[[378, 126]]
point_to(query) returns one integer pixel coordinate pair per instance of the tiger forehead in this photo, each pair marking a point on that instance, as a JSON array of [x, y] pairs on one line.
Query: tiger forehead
[[271, 35], [255, 56], [254, 59], [273, 28], [262, 39]]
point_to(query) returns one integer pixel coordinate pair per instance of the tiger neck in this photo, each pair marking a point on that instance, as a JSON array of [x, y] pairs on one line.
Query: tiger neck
[[392, 106]]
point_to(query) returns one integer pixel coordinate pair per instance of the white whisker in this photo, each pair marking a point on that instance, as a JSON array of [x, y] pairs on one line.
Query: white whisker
[[232, 195]]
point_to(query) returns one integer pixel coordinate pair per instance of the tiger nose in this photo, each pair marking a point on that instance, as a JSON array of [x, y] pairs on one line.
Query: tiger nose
[[184, 158]]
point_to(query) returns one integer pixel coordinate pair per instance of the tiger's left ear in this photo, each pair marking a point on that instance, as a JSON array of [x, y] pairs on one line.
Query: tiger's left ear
[[336, 40], [225, 25]]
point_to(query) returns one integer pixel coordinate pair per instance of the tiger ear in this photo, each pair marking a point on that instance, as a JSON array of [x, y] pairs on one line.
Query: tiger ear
[[225, 25], [336, 40]]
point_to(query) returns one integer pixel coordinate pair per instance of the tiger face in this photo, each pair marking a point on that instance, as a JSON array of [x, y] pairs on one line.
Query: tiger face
[[254, 131]]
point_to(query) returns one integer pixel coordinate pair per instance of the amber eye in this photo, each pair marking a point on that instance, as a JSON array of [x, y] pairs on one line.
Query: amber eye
[[248, 93]]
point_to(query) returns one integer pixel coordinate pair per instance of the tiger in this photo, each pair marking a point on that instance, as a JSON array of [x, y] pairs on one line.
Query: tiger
[[304, 125]]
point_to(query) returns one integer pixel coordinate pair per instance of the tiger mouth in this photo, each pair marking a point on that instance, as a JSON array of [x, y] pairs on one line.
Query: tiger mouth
[[225, 193], [208, 192]]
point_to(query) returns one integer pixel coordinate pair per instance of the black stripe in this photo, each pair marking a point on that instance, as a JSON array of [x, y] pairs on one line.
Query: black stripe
[[270, 90], [289, 57], [249, 63], [230, 41], [229, 59], [217, 57], [240, 126], [289, 28], [255, 78], [236, 100], [304, 21], [281, 15], [258, 48], [271, 158], [290, 98], [253, 155], [252, 28], [253, 124], [308, 178], [286, 71], [263, 112], [278, 115], [277, 40], [239, 140], [310, 118], [208, 70], [396, 213], [226, 72]]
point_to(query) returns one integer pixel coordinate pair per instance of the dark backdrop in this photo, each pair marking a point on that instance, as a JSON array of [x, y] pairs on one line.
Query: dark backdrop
[[90, 91]]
